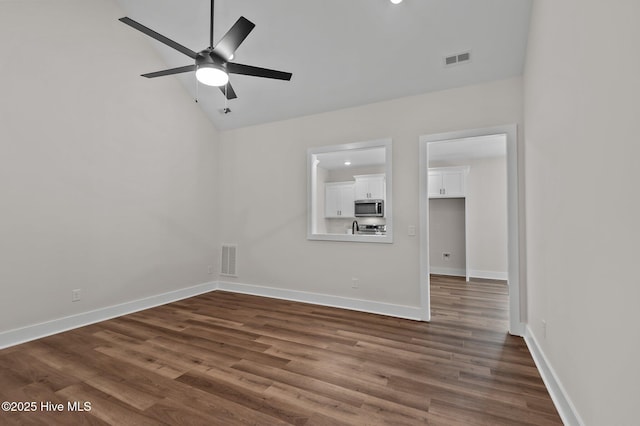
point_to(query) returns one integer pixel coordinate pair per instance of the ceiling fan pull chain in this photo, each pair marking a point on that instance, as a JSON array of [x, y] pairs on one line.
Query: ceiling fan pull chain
[[197, 85]]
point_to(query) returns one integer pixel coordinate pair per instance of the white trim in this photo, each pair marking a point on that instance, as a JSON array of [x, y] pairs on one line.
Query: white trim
[[48, 328], [565, 407], [471, 273], [489, 275], [425, 284], [467, 252], [37, 331], [517, 296], [559, 395], [400, 311], [443, 270]]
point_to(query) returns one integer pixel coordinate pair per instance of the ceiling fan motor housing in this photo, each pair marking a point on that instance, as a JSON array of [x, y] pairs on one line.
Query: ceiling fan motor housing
[[208, 58]]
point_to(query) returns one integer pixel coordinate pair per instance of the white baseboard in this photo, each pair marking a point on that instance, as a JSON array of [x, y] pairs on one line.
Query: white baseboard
[[565, 407], [37, 331], [443, 270], [400, 311], [473, 273], [489, 275]]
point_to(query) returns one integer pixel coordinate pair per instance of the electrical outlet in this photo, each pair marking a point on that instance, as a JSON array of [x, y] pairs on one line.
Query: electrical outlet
[[411, 231], [209, 269], [354, 282], [446, 256], [544, 329], [75, 295]]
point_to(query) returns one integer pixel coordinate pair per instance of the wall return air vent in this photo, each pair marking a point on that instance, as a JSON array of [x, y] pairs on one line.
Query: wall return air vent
[[228, 261], [459, 58]]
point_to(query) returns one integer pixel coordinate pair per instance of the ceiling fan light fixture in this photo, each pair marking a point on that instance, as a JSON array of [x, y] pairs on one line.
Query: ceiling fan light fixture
[[212, 75], [211, 63], [396, 1]]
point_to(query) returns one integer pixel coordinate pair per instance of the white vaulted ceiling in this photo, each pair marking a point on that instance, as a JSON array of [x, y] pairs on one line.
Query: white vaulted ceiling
[[342, 53]]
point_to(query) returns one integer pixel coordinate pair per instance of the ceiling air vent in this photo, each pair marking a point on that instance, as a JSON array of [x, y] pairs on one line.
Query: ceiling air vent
[[457, 59]]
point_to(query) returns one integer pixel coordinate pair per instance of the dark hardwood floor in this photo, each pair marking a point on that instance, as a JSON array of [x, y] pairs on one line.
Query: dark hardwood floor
[[231, 359]]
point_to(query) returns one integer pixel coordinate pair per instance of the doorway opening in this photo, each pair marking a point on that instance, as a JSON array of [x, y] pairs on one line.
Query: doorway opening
[[469, 212]]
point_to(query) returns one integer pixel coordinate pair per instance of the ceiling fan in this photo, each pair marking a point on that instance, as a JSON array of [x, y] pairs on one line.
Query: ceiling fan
[[212, 65]]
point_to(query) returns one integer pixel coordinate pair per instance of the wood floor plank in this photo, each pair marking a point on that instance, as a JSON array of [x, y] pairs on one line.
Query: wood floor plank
[[391, 413], [134, 358], [253, 400], [354, 382], [106, 407], [185, 399], [301, 381], [231, 359], [36, 393]]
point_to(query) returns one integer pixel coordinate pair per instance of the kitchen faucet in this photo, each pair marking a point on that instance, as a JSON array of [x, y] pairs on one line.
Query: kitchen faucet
[[354, 227]]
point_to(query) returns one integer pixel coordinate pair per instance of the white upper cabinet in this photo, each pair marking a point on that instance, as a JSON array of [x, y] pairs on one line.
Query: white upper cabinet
[[370, 187], [339, 200], [448, 182]]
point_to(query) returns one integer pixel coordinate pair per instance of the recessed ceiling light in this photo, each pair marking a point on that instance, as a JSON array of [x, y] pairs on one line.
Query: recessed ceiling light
[[396, 1], [347, 163]]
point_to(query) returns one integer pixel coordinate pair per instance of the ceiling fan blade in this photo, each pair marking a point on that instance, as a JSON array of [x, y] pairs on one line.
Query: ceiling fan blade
[[233, 38], [234, 68], [228, 91], [162, 39], [171, 71]]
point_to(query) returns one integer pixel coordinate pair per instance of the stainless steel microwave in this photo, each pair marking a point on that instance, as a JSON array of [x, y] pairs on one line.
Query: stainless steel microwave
[[369, 208]]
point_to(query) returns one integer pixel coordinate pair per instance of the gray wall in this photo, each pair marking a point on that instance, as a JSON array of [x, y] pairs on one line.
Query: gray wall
[[447, 234], [486, 210], [487, 222], [272, 242], [108, 181], [582, 208]]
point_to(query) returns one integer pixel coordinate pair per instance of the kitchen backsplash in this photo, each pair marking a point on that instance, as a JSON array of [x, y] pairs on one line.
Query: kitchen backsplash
[[340, 226]]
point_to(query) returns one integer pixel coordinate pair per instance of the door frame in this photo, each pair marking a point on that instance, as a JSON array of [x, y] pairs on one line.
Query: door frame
[[517, 292]]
